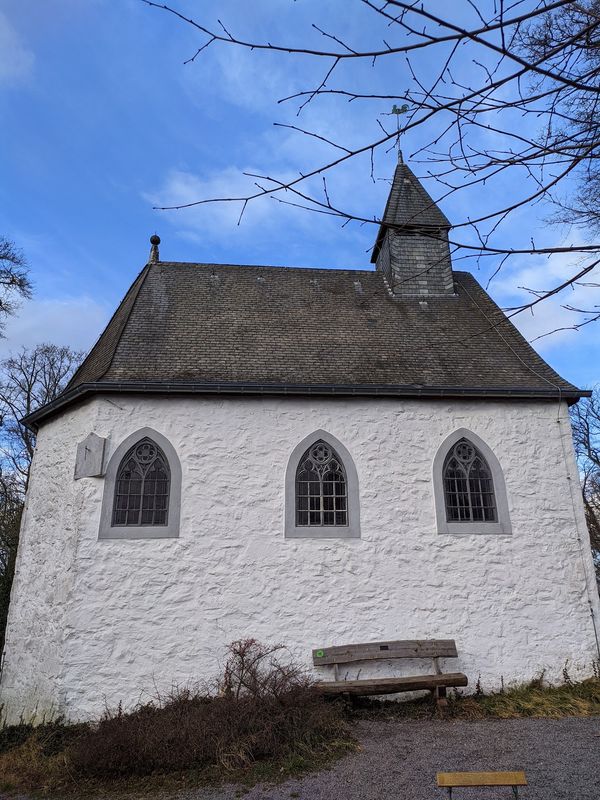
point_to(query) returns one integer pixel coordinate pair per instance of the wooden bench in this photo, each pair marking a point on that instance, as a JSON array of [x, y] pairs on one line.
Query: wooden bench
[[454, 780], [378, 651]]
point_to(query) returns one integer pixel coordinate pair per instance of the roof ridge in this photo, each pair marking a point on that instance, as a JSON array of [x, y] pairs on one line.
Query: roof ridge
[[135, 291], [266, 266], [132, 292], [326, 270]]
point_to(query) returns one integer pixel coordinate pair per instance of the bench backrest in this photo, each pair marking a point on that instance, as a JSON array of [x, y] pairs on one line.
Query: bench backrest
[[453, 780], [371, 651]]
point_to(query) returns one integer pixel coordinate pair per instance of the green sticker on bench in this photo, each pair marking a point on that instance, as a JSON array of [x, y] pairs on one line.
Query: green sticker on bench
[[319, 653]]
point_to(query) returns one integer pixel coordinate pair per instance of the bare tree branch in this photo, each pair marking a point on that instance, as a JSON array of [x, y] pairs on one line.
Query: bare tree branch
[[526, 73]]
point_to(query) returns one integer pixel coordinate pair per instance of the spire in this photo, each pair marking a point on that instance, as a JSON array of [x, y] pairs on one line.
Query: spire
[[409, 205], [412, 243], [154, 254]]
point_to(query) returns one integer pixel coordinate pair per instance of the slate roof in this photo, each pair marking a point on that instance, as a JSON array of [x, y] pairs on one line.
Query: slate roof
[[409, 205], [186, 327]]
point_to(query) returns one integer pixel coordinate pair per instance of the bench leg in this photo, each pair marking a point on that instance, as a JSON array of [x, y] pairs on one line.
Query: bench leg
[[440, 697], [351, 700]]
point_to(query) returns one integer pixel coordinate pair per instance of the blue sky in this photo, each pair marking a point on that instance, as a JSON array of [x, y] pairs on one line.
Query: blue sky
[[101, 120]]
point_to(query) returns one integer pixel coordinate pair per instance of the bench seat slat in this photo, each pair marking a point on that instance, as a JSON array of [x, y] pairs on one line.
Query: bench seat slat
[[392, 685], [370, 651], [457, 779]]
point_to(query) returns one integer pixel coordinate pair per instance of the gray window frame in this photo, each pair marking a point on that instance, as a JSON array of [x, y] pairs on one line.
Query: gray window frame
[[169, 531], [503, 523], [349, 531]]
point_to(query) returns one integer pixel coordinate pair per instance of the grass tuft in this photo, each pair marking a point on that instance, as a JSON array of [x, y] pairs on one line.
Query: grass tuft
[[537, 699]]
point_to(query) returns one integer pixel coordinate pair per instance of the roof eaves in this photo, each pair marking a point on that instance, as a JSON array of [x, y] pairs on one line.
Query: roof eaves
[[83, 391]]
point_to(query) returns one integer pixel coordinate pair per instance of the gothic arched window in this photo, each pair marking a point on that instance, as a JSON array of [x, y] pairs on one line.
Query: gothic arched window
[[321, 488], [142, 486], [468, 485]]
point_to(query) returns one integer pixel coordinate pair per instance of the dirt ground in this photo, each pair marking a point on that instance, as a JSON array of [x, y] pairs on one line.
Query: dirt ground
[[399, 760]]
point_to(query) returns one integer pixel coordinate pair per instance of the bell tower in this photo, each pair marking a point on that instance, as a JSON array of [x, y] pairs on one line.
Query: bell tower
[[412, 248]]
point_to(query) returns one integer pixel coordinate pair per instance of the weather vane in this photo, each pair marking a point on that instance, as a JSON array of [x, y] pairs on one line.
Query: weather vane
[[397, 111]]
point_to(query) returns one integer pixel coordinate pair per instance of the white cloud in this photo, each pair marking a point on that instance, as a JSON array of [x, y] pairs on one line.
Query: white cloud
[[16, 60], [552, 315], [213, 219], [76, 322]]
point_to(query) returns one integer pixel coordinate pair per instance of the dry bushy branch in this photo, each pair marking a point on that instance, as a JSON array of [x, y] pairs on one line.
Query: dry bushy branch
[[267, 710], [260, 670]]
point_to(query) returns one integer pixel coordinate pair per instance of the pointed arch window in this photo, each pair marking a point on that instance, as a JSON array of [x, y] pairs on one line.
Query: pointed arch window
[[468, 485], [321, 488], [142, 487]]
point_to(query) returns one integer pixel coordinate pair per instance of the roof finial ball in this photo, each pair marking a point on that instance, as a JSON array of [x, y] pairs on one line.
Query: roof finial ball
[[154, 254]]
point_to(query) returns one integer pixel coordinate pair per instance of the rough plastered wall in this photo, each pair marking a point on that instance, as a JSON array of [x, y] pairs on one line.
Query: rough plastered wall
[[95, 622]]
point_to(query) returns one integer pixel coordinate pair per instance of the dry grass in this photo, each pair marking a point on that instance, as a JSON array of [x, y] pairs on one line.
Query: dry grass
[[36, 758], [533, 699], [538, 700]]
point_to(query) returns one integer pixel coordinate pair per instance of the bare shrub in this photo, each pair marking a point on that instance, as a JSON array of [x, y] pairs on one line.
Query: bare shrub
[[266, 709], [258, 670]]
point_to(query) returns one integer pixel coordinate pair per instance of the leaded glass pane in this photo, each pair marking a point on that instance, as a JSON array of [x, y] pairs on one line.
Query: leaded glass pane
[[482, 491], [321, 488], [142, 486], [468, 485]]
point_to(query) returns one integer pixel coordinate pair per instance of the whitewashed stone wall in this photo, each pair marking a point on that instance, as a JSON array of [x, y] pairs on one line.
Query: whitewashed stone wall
[[95, 622]]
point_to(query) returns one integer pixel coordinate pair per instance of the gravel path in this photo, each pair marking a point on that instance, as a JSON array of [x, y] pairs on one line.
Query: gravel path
[[399, 761]]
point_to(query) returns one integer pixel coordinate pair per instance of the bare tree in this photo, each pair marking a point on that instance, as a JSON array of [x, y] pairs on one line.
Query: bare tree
[[572, 128], [28, 381], [14, 281], [497, 92], [585, 418]]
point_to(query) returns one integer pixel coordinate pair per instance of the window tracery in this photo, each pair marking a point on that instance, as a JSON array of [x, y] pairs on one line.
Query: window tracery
[[142, 486], [468, 486], [321, 488]]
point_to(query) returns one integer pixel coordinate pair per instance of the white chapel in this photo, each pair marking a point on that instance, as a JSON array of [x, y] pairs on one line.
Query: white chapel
[[303, 456]]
